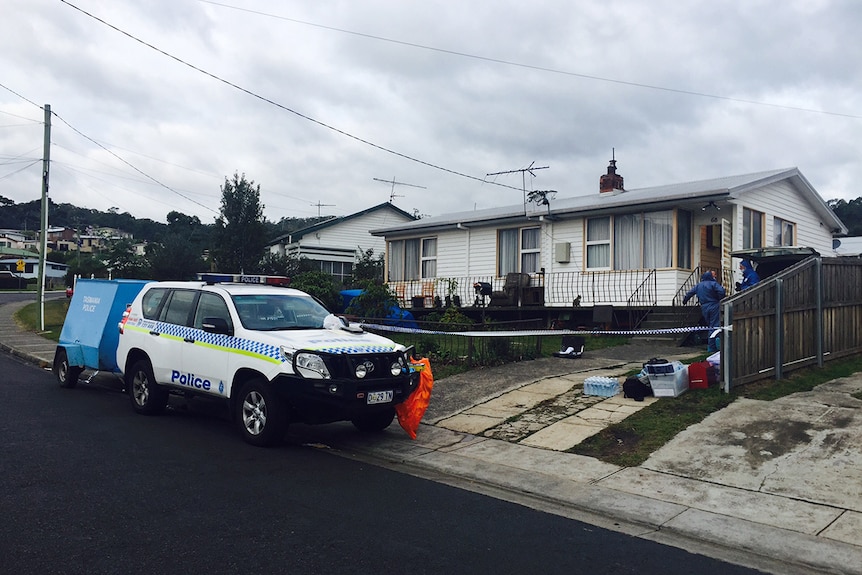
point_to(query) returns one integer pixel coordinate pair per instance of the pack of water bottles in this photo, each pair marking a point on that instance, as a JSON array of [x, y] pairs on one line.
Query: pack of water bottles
[[601, 386]]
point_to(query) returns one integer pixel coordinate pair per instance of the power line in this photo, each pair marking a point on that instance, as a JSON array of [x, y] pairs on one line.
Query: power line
[[278, 105], [537, 68], [146, 175]]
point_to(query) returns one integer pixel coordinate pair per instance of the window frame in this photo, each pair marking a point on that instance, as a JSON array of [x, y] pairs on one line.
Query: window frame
[[752, 235], [516, 258], [407, 247], [778, 231]]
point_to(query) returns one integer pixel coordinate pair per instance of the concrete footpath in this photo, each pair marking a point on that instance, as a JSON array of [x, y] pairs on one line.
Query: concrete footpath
[[772, 485]]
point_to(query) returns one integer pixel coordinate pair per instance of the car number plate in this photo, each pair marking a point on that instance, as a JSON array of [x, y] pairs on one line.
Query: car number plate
[[379, 397]]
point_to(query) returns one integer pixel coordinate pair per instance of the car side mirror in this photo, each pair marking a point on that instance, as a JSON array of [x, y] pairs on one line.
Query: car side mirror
[[217, 325]]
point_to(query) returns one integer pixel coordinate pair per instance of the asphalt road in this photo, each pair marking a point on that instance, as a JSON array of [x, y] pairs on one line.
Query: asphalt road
[[90, 487]]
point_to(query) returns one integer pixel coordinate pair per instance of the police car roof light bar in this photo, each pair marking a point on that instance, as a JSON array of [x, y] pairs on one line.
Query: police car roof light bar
[[213, 278]]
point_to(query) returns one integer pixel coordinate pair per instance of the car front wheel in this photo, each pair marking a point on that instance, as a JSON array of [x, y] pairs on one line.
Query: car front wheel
[[261, 415], [148, 397]]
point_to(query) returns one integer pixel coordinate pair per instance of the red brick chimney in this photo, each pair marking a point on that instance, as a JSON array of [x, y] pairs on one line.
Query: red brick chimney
[[612, 181]]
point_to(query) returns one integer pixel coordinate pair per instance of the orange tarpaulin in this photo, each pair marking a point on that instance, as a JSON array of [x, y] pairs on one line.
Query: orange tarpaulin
[[411, 410]]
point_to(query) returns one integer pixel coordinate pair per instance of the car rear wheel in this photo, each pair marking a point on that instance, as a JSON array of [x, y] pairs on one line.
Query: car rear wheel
[[67, 375], [377, 421], [148, 397], [261, 415]]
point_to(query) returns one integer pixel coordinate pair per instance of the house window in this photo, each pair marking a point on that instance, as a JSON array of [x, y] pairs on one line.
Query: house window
[[518, 250], [783, 232], [639, 241], [530, 250], [407, 258], [752, 229], [599, 242], [341, 271], [627, 245], [429, 258], [683, 239]]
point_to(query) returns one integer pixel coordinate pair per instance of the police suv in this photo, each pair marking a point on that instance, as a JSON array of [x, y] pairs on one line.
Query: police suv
[[273, 353]]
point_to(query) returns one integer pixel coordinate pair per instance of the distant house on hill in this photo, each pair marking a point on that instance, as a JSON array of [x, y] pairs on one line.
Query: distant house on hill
[[336, 243]]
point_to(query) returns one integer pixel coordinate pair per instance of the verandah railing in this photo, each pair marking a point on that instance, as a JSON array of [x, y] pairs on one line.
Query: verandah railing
[[560, 289]]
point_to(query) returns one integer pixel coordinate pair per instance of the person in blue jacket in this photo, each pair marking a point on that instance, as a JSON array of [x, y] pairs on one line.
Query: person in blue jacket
[[749, 276], [709, 293]]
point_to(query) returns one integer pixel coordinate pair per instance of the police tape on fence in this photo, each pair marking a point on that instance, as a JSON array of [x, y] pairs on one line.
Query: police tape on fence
[[544, 332]]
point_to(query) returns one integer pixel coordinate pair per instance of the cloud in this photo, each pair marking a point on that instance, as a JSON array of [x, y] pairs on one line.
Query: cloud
[[313, 101]]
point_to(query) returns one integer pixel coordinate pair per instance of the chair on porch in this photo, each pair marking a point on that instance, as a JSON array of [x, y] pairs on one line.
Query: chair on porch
[[401, 295], [510, 295], [428, 294]]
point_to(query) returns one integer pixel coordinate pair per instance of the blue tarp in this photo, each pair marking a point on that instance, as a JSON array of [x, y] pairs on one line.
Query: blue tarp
[[397, 316]]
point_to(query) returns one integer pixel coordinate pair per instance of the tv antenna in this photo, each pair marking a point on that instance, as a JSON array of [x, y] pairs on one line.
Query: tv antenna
[[523, 171], [394, 183], [319, 205]]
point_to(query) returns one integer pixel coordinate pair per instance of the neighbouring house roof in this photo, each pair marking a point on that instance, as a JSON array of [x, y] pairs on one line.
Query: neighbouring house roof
[[657, 197], [297, 235]]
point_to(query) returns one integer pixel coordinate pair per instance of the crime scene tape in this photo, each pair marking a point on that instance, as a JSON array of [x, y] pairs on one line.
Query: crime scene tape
[[540, 332]]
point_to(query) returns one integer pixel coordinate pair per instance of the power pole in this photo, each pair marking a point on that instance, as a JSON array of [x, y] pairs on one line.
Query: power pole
[[46, 164]]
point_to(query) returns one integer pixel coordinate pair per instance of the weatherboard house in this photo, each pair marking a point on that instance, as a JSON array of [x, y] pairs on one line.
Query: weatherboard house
[[337, 242], [618, 247]]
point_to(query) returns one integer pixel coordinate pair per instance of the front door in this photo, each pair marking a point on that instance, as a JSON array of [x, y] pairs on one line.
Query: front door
[[710, 248]]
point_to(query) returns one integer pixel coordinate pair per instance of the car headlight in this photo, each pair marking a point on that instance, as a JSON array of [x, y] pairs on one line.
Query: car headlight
[[310, 366]]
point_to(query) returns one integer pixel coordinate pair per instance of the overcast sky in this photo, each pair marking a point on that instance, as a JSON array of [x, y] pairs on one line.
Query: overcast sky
[[316, 101]]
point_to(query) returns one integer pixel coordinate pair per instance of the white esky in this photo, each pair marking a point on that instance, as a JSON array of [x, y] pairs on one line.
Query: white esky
[[438, 94]]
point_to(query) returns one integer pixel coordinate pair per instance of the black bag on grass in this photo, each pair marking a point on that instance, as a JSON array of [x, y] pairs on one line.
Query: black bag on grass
[[636, 388]]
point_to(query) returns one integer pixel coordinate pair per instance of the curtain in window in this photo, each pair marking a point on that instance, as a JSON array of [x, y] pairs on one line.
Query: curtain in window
[[530, 238], [627, 242], [658, 239], [396, 261], [598, 254], [507, 251], [411, 259], [429, 258]]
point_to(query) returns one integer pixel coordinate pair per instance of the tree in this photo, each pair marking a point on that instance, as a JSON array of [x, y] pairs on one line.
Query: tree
[[368, 268], [239, 229], [850, 213], [173, 258], [321, 285], [286, 265], [123, 262], [85, 265], [375, 301]]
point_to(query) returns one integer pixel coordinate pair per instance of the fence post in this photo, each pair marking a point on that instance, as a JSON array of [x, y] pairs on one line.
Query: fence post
[[727, 347], [779, 327], [470, 351], [818, 289]]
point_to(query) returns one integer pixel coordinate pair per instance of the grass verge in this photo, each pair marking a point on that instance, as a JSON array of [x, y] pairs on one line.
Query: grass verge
[[630, 442], [55, 315]]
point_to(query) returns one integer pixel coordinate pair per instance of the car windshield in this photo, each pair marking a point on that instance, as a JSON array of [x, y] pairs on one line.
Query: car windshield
[[269, 312]]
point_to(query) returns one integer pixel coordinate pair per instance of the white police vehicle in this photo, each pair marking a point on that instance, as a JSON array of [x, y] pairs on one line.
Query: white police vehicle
[[273, 353]]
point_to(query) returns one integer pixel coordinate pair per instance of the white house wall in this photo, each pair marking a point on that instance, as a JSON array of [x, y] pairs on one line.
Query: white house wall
[[350, 234], [783, 200]]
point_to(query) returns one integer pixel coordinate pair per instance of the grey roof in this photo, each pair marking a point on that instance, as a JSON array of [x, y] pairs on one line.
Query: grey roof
[[297, 235], [728, 187]]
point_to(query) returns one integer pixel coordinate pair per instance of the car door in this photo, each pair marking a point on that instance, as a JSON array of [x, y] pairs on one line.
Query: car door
[[169, 338], [206, 353]]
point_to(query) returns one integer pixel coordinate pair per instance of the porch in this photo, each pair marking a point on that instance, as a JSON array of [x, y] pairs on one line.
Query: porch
[[611, 299], [624, 288]]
